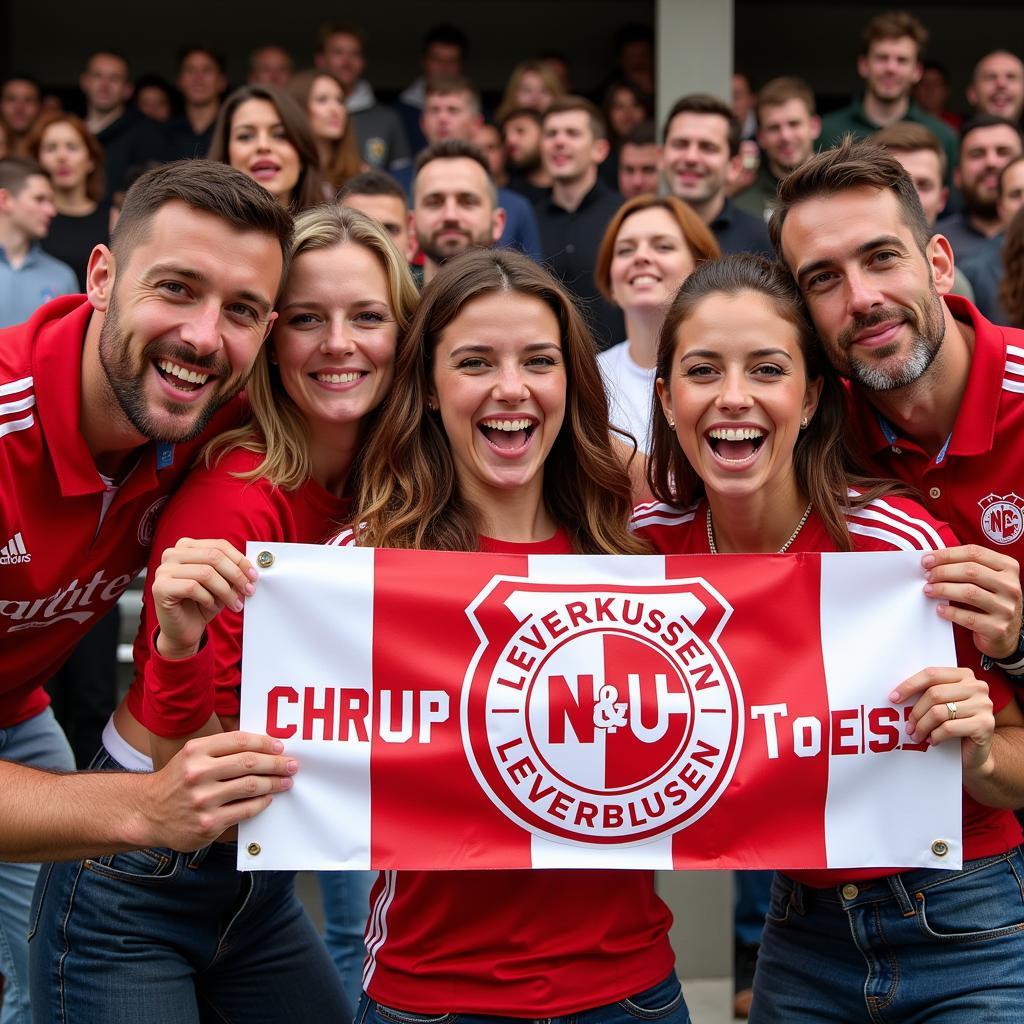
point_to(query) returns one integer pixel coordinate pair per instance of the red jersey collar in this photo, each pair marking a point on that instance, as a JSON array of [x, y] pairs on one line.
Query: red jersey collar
[[58, 331], [975, 425]]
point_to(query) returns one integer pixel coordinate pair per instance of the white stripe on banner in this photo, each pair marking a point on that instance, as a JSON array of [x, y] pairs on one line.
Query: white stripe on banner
[[336, 770], [546, 853], [850, 624]]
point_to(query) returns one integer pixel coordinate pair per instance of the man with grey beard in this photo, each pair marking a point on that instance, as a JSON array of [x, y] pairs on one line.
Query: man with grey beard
[[936, 391]]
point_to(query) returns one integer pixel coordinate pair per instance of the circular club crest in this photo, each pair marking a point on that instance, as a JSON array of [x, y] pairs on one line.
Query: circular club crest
[[1002, 517], [602, 715], [148, 521]]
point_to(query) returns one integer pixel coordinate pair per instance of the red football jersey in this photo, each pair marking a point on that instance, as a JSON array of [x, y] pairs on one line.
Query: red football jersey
[[69, 544], [886, 524], [213, 500], [528, 944], [976, 481]]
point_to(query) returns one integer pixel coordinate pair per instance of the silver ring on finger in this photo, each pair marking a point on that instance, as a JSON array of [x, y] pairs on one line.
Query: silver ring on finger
[[951, 709]]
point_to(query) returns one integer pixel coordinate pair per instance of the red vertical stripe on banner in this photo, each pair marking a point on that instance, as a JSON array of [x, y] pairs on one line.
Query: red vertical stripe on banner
[[428, 809], [780, 627]]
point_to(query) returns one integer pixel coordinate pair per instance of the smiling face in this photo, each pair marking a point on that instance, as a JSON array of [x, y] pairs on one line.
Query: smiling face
[[335, 341], [328, 116], [568, 146], [787, 133], [998, 85], [891, 68], [188, 312], [64, 156], [737, 392], [871, 292], [258, 145], [696, 156], [650, 260], [984, 152], [499, 384]]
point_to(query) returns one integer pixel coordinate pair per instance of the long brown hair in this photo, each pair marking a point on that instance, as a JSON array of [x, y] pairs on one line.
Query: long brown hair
[[408, 495], [309, 189], [344, 161], [822, 459]]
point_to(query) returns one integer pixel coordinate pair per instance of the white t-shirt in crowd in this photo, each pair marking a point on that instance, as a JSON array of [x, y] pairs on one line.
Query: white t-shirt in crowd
[[630, 390]]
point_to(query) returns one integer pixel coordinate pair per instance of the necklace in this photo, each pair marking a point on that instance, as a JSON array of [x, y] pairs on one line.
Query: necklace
[[785, 547]]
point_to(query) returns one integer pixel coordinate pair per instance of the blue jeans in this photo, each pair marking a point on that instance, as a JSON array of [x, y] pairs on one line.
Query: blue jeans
[[919, 946], [346, 897], [41, 743], [158, 937], [753, 890], [663, 1003]]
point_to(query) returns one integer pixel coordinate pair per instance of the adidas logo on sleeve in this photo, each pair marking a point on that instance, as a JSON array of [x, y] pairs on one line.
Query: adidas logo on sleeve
[[14, 551]]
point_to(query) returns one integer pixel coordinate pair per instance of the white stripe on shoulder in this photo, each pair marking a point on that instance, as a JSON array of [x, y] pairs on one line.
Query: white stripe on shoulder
[[16, 386], [18, 405], [377, 932], [12, 426], [1017, 386], [1015, 350], [1015, 368], [894, 522], [896, 540], [659, 513]]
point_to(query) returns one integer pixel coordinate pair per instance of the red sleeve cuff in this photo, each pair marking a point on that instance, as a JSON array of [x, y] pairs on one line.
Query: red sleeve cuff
[[178, 696]]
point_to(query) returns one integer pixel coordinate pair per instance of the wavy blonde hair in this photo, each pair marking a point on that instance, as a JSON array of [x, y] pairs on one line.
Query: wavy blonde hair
[[278, 430]]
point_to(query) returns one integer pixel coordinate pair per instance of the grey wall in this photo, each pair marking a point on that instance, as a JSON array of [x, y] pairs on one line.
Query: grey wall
[[818, 41]]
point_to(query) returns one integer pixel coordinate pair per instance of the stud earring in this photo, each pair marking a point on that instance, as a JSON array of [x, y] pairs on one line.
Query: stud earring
[[803, 423]]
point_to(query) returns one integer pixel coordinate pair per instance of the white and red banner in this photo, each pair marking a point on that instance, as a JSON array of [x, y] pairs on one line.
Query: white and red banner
[[454, 710]]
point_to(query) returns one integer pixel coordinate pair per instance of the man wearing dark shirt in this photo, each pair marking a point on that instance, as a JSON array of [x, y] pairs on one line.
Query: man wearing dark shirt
[[987, 145], [701, 144], [574, 217], [640, 161], [451, 110], [985, 268], [129, 140], [202, 81]]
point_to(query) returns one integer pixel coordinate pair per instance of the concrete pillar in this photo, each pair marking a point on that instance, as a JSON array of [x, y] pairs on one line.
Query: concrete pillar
[[695, 54], [694, 50]]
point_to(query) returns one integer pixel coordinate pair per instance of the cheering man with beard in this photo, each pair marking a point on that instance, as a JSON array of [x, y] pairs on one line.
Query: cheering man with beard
[[455, 203], [103, 406], [936, 390]]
